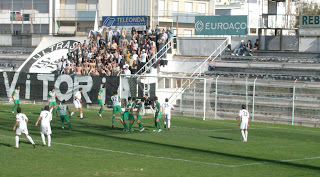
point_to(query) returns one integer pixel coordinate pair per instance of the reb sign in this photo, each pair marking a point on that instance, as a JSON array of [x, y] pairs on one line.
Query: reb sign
[[221, 25]]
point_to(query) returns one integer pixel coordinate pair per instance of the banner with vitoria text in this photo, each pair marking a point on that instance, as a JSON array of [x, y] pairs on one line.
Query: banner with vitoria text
[[221, 25], [36, 86]]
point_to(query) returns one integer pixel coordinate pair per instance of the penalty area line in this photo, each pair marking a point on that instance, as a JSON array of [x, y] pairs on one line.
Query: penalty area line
[[130, 153], [169, 158]]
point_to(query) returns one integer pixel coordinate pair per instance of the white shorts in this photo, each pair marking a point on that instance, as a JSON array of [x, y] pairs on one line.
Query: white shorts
[[167, 116], [244, 124], [77, 104], [22, 130], [45, 130]]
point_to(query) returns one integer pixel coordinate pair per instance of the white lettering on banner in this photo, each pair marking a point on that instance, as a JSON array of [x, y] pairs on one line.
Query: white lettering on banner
[[28, 82], [67, 79], [85, 88], [45, 79], [59, 45], [225, 26], [10, 88]]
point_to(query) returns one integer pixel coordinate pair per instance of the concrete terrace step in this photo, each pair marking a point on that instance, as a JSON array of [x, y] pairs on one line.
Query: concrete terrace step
[[268, 76], [268, 65], [283, 54]]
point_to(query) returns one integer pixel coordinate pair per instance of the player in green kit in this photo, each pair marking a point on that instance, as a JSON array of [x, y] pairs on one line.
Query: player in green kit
[[63, 108], [52, 100], [140, 113], [131, 116], [157, 115], [15, 98], [116, 107], [127, 114], [100, 101]]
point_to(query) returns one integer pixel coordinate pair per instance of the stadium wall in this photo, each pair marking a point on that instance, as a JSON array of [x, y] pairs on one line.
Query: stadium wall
[[198, 46], [35, 87]]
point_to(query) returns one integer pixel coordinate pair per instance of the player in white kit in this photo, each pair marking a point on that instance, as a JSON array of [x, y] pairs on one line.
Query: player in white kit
[[167, 113], [243, 122], [45, 128], [21, 120], [77, 103]]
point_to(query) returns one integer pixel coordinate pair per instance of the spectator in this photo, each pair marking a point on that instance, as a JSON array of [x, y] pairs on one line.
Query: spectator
[[248, 48], [242, 48], [59, 66], [127, 71], [161, 44], [256, 46], [210, 65]]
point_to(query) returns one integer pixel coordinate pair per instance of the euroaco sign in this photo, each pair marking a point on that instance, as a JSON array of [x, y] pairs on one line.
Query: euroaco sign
[[309, 21], [221, 25], [109, 21]]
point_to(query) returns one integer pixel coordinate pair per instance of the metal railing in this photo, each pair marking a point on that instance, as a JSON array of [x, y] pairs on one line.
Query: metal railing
[[198, 72], [143, 70]]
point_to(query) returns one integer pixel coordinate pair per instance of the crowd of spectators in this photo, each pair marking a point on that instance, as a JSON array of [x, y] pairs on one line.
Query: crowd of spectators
[[110, 51]]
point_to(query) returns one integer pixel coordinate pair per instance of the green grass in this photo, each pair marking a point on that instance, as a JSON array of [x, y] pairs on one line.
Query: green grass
[[192, 147]]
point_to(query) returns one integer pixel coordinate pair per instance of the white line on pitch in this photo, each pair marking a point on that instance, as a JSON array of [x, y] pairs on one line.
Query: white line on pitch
[[130, 153], [168, 158]]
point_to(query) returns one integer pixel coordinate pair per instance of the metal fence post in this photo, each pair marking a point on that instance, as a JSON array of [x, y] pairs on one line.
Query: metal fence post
[[194, 100], [120, 86], [181, 97], [204, 98], [247, 93], [293, 96], [216, 99], [253, 95]]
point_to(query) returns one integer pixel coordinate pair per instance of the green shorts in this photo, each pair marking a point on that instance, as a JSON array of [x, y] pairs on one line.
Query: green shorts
[[16, 101], [139, 117], [157, 115], [125, 116], [117, 109], [64, 117], [100, 102], [53, 103], [131, 117]]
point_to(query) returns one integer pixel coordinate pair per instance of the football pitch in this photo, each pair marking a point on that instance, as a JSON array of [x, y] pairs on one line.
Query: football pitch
[[192, 147]]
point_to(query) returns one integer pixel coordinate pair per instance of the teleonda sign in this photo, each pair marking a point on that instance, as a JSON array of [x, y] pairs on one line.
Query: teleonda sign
[[221, 25]]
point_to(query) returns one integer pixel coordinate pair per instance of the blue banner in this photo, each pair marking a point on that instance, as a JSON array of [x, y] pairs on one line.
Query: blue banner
[[109, 21]]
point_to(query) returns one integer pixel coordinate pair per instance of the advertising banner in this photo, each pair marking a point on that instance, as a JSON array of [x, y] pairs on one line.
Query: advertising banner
[[45, 57], [309, 21], [127, 22], [221, 25], [37, 86]]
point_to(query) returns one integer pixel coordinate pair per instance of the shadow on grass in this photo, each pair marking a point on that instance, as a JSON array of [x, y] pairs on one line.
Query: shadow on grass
[[222, 138], [240, 157], [5, 144]]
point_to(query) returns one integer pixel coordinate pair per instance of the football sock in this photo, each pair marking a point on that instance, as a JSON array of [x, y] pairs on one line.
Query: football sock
[[159, 125], [54, 111], [51, 110], [140, 125], [246, 132], [81, 115], [72, 114], [113, 120], [169, 123], [100, 112], [49, 140], [155, 125], [17, 140], [130, 125], [125, 126], [62, 124], [14, 106], [165, 121], [243, 135], [43, 139], [69, 124], [30, 139]]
